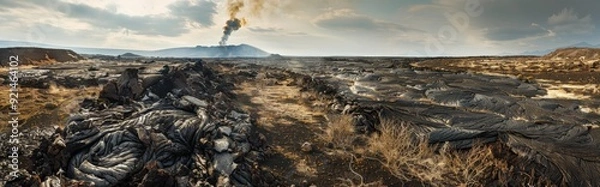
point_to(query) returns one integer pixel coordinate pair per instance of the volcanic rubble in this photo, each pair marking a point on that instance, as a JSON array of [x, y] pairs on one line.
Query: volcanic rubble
[[177, 129]]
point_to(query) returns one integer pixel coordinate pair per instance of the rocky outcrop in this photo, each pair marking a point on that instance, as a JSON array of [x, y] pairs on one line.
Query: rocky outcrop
[[127, 87]]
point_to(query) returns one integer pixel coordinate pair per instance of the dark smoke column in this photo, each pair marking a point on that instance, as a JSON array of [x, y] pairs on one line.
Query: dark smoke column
[[231, 25]]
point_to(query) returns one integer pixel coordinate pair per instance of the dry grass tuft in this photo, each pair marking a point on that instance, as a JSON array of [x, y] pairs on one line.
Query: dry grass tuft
[[409, 157], [340, 133]]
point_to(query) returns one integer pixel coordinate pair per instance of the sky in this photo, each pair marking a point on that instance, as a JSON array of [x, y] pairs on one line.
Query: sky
[[309, 27]]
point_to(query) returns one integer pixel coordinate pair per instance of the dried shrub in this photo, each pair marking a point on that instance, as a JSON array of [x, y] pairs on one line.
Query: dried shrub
[[408, 156]]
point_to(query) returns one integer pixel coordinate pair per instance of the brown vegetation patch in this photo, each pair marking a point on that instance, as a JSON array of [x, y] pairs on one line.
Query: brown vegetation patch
[[408, 157], [43, 107]]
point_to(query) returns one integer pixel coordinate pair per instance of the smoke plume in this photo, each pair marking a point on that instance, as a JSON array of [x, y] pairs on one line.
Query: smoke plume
[[234, 23], [231, 25]]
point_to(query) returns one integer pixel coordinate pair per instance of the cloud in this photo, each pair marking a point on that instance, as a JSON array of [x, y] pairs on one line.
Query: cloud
[[275, 31], [425, 7], [199, 11], [336, 26], [516, 33], [348, 20], [566, 16], [510, 20], [143, 25], [567, 21], [182, 13], [550, 32], [298, 33], [264, 30]]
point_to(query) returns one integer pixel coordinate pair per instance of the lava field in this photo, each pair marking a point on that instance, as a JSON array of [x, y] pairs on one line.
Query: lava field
[[183, 122]]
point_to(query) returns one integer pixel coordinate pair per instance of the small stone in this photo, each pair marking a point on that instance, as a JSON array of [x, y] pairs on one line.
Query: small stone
[[50, 106], [223, 163], [52, 181], [221, 145], [57, 129], [238, 116], [57, 146], [225, 130], [195, 101], [306, 147]]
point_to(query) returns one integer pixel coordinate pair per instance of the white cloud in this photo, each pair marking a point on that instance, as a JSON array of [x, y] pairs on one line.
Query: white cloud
[[550, 33], [567, 21], [129, 7], [349, 20], [566, 16]]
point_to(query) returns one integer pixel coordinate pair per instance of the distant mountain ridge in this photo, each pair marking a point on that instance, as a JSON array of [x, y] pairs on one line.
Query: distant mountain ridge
[[574, 53], [243, 50], [547, 51], [38, 56]]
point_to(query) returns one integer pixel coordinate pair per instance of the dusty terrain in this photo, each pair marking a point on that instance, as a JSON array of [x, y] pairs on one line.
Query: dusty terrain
[[328, 121], [570, 73], [290, 117]]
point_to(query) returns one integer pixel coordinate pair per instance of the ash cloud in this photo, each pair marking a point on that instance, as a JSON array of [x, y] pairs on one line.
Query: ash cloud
[[231, 25], [234, 23]]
